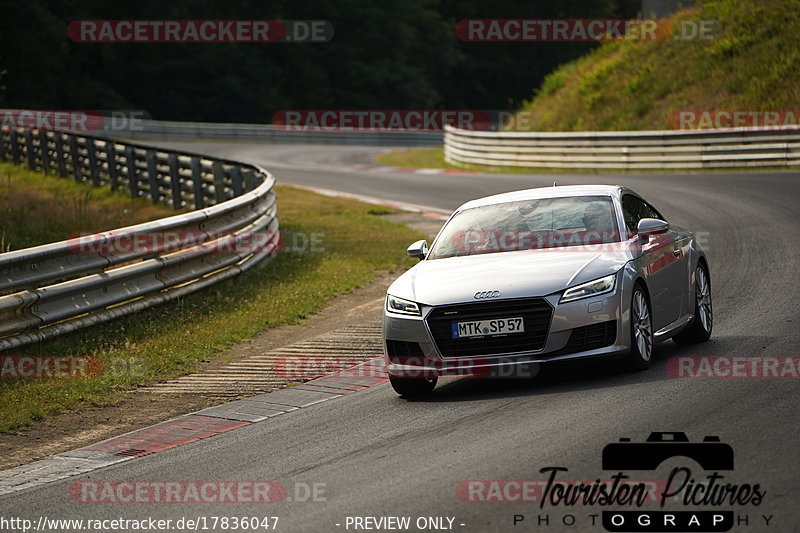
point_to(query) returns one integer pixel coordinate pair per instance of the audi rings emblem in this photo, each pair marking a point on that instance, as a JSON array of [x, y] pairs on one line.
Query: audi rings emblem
[[482, 295]]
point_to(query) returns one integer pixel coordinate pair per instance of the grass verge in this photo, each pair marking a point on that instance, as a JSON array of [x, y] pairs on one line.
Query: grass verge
[[352, 243], [37, 209], [415, 158]]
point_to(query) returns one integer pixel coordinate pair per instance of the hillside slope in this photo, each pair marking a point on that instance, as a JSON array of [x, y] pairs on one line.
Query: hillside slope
[[752, 63]]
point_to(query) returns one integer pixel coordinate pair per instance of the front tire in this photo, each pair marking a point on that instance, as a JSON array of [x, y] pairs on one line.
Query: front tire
[[703, 323], [413, 387], [641, 352]]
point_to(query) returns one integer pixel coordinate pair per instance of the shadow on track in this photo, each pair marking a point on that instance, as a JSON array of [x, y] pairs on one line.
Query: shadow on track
[[558, 378]]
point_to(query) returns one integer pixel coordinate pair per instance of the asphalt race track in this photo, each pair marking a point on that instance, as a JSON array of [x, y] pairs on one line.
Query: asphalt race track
[[379, 455]]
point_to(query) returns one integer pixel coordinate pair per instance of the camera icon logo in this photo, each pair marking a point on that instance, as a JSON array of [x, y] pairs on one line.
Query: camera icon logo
[[710, 454]]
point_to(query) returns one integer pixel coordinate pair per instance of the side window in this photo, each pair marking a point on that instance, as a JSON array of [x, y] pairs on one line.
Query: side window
[[633, 210]]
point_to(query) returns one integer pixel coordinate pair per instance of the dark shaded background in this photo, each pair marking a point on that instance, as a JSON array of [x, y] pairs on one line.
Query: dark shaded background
[[396, 54]]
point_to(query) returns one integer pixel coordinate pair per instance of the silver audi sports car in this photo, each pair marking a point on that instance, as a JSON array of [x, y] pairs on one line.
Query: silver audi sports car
[[552, 274]]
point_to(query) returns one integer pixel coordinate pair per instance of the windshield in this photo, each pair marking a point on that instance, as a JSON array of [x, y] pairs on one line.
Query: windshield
[[528, 225]]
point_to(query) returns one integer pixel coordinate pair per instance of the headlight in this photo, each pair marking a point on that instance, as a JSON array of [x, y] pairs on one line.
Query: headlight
[[404, 307], [592, 288]]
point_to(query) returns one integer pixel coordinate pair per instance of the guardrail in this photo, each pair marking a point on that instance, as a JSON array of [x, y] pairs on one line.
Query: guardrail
[[166, 130], [59, 287], [696, 149]]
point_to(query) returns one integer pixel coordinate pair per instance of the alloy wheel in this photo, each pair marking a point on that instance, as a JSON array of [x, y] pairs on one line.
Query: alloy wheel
[[703, 295], [642, 328]]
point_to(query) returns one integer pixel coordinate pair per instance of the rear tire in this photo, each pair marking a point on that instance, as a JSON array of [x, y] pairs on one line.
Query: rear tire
[[703, 323], [413, 387], [641, 352]]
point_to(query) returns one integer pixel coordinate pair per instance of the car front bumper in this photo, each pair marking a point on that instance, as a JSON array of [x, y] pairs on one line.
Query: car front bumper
[[588, 328]]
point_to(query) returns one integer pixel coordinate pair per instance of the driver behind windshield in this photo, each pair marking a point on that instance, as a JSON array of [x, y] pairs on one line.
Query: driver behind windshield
[[597, 217]]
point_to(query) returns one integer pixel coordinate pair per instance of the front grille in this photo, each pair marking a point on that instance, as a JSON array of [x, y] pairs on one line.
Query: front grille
[[536, 313], [589, 338], [404, 352]]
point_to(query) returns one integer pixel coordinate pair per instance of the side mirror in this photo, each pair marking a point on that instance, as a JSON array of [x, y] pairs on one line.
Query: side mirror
[[419, 250], [651, 226]]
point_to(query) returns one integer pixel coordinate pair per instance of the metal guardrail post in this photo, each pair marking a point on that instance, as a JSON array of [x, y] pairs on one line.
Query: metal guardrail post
[[92, 155], [58, 139], [219, 182], [133, 185], [44, 150], [236, 179], [152, 175], [14, 148], [73, 152], [197, 183], [174, 181], [111, 160], [249, 179], [30, 151]]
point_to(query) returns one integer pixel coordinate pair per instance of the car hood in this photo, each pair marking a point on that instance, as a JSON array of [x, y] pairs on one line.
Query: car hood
[[515, 274]]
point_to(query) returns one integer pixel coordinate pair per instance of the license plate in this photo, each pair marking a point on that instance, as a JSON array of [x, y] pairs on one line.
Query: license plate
[[481, 328]]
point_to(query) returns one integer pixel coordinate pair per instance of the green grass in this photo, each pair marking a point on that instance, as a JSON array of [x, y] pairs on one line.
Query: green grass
[[170, 340], [415, 158], [37, 209], [753, 64]]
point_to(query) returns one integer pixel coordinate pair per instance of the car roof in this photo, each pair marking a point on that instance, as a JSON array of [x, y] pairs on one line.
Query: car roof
[[547, 192]]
